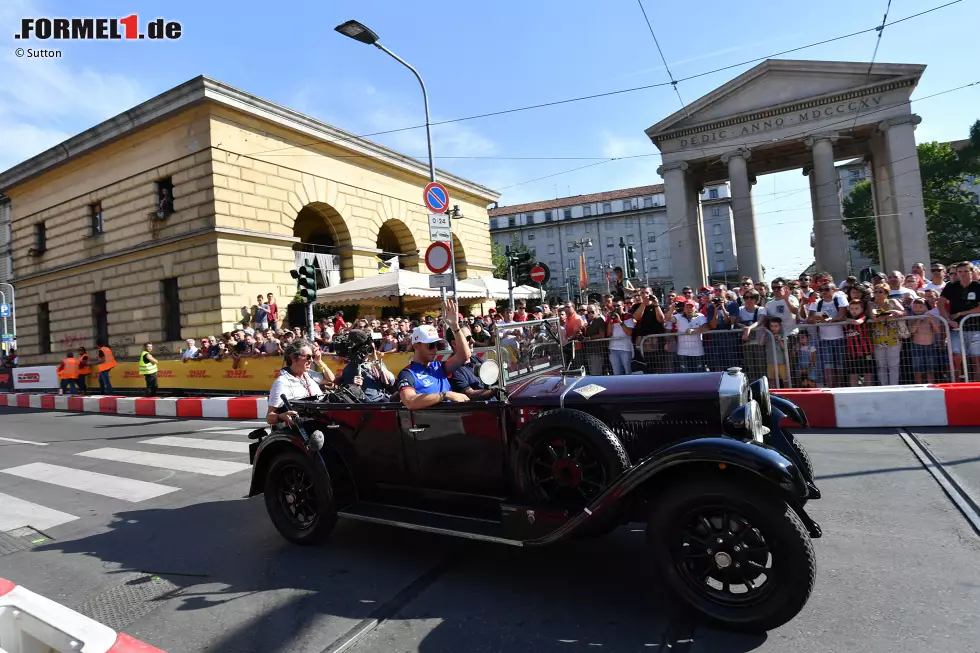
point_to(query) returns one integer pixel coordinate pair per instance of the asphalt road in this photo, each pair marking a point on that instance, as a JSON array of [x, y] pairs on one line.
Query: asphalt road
[[181, 560]]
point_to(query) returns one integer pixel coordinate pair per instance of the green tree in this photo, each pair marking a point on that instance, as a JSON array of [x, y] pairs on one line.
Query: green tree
[[952, 213], [858, 209]]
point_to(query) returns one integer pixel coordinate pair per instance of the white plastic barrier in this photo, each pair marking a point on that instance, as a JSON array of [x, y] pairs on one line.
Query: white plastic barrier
[[30, 623]]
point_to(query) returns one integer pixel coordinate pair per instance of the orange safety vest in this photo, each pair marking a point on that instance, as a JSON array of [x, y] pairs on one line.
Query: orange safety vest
[[69, 368], [110, 360], [84, 365]]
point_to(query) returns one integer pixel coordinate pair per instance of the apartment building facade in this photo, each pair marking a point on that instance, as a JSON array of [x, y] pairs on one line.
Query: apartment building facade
[[556, 230]]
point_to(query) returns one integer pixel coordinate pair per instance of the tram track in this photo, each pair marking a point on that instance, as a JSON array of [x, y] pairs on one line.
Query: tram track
[[952, 487]]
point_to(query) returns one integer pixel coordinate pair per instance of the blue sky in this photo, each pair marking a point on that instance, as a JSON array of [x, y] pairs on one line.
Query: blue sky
[[481, 57]]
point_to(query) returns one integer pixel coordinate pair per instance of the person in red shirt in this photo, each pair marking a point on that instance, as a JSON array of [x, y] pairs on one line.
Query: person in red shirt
[[521, 314], [338, 322], [273, 311]]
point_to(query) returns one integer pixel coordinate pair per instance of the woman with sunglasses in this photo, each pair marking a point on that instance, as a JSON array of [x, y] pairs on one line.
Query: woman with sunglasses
[[885, 335], [294, 380]]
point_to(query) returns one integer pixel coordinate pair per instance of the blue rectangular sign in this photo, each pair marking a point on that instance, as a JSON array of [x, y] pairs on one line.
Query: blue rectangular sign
[[4, 310]]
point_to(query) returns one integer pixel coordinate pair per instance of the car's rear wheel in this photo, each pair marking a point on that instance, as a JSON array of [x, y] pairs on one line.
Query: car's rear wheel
[[733, 552], [298, 502], [566, 458]]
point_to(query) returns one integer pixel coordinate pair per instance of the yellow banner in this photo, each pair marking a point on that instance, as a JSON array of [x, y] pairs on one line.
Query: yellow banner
[[229, 375]]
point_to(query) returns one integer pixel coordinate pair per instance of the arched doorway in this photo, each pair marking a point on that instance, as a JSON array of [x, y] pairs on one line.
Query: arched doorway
[[396, 242], [322, 231]]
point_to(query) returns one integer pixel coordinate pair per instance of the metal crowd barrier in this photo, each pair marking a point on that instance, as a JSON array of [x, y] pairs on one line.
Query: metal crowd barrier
[[759, 354], [968, 338]]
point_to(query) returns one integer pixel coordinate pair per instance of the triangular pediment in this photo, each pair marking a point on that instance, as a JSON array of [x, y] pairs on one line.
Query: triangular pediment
[[779, 82]]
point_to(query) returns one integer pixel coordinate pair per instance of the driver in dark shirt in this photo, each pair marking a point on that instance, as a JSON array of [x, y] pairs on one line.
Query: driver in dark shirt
[[464, 379]]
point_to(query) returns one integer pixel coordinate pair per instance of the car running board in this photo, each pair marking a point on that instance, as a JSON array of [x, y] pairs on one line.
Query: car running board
[[431, 522]]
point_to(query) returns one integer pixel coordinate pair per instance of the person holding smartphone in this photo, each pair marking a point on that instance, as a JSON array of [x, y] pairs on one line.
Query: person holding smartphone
[[619, 328]]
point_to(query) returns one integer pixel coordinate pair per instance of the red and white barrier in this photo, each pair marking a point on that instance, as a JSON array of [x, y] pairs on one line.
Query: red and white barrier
[[950, 404], [209, 407], [945, 404], [31, 623]]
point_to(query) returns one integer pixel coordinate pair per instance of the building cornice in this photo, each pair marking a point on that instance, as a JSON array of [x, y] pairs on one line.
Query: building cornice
[[791, 107], [162, 242], [204, 89]]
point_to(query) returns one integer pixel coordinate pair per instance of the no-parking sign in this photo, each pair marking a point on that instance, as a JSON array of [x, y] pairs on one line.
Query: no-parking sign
[[436, 197]]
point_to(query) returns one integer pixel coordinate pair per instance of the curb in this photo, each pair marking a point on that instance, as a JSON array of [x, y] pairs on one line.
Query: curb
[[944, 404], [209, 407], [27, 617]]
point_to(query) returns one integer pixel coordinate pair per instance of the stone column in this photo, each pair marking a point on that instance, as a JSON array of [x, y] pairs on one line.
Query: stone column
[[686, 258], [833, 241], [906, 185], [818, 253], [884, 203], [746, 239]]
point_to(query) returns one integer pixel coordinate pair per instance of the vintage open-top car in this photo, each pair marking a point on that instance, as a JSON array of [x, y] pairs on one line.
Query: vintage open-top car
[[701, 459]]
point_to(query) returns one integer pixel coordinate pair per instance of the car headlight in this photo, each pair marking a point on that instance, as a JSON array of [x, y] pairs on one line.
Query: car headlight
[[745, 422], [760, 392]]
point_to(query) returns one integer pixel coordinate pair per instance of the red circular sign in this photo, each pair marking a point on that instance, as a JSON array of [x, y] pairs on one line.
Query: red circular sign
[[437, 257], [537, 274]]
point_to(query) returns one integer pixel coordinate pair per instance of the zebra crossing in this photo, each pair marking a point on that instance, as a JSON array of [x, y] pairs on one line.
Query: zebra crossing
[[213, 452]]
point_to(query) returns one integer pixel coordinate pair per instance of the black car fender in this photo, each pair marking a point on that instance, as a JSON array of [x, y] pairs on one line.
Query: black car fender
[[789, 409], [272, 445], [764, 462]]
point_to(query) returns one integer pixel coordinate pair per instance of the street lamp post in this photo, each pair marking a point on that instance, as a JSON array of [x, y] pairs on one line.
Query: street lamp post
[[362, 34]]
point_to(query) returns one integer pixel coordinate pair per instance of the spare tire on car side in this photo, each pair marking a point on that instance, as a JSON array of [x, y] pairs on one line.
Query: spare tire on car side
[[566, 458]]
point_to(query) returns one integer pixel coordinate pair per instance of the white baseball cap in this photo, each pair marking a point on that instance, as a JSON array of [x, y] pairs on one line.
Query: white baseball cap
[[425, 334]]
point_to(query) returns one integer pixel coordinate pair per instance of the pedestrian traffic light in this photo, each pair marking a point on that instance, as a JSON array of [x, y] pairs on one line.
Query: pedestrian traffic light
[[631, 262], [305, 277]]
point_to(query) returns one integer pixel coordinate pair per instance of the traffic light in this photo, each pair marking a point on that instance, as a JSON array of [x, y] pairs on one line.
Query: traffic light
[[305, 277], [631, 262], [522, 262]]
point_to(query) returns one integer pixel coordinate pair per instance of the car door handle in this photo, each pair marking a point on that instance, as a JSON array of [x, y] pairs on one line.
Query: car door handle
[[333, 426], [417, 429]]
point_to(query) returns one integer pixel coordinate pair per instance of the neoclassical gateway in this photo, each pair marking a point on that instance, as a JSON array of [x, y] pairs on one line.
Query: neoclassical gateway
[[785, 114]]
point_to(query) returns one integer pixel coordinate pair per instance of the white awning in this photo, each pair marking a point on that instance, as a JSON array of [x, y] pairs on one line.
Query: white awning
[[399, 283]]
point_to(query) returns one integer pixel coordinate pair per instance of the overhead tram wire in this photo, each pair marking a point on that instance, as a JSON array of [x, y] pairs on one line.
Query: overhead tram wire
[[593, 96], [673, 82], [603, 160], [881, 30], [764, 142]]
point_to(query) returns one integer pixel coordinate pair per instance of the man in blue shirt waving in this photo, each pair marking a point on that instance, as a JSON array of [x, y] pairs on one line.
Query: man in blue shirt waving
[[425, 382]]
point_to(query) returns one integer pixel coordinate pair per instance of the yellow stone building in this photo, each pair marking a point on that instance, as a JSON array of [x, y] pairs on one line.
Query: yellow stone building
[[250, 182]]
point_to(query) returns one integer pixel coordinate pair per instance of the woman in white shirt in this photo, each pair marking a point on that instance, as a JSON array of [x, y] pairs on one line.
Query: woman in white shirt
[[294, 381], [620, 345]]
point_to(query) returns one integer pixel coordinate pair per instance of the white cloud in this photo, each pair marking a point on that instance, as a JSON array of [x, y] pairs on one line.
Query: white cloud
[[615, 146], [43, 102]]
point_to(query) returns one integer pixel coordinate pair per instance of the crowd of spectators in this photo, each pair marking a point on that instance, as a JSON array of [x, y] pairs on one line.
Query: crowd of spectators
[[806, 332]]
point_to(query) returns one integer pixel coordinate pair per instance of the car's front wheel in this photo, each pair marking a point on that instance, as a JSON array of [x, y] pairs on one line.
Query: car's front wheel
[[297, 500], [733, 552]]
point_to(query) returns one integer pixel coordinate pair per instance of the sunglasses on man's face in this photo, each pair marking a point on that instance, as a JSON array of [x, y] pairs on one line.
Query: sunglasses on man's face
[[432, 345], [777, 286], [688, 292]]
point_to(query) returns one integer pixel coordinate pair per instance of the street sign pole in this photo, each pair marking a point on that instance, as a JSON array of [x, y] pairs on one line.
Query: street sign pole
[[510, 287], [13, 311], [3, 300]]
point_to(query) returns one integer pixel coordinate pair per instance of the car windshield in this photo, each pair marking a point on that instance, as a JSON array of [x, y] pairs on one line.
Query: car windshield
[[525, 348]]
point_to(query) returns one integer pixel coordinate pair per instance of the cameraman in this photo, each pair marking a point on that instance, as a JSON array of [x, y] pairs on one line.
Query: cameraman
[[364, 369]]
